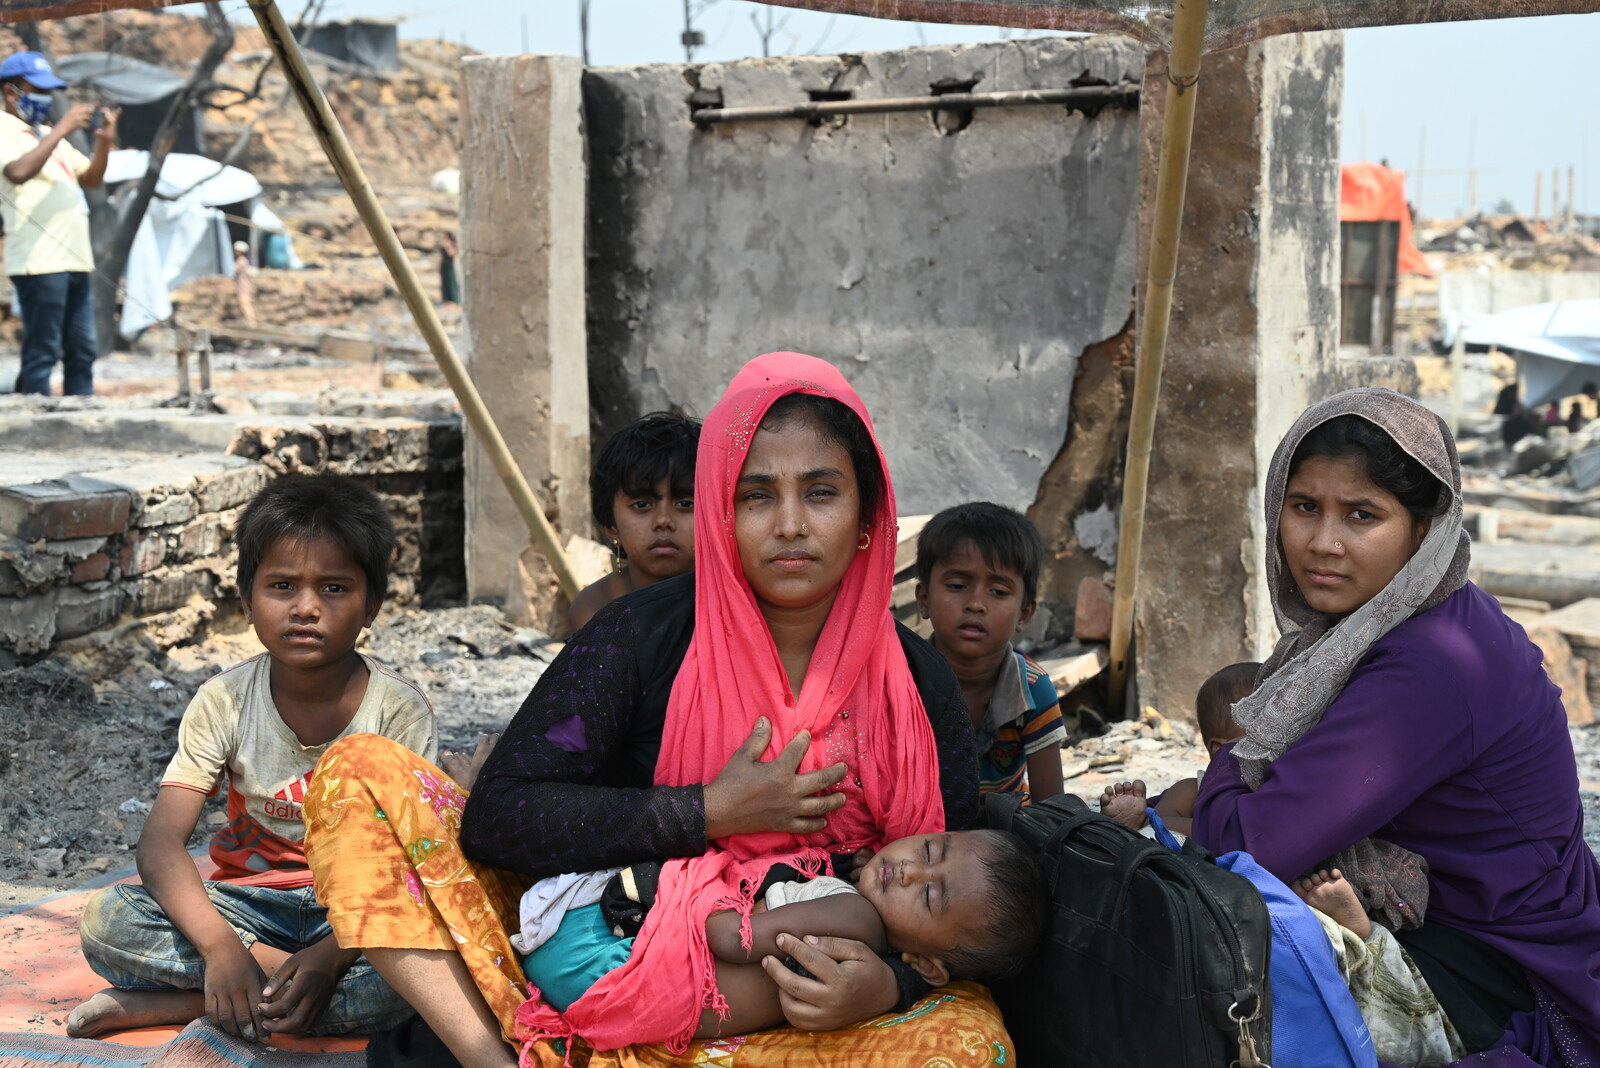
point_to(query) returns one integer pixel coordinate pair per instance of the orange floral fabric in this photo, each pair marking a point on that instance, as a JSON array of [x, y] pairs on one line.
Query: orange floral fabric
[[383, 832], [383, 836], [957, 1026]]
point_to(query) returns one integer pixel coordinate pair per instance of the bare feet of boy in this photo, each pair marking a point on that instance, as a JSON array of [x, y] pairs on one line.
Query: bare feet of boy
[[124, 1010], [1332, 895], [464, 769], [1124, 802]]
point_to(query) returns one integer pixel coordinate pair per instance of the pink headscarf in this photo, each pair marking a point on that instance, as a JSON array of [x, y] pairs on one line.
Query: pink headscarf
[[859, 701]]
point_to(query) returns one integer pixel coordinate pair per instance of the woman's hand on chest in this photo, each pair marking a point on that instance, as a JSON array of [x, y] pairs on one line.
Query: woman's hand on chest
[[750, 795]]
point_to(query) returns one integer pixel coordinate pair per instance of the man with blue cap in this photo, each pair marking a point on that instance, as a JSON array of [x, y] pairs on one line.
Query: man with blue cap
[[48, 255]]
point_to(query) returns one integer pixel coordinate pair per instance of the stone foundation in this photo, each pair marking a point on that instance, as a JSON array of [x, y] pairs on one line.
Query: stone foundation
[[93, 539]]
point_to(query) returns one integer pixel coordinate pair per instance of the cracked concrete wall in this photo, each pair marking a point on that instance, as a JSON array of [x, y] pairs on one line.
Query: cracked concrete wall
[[1297, 277], [522, 257], [956, 276], [1254, 341]]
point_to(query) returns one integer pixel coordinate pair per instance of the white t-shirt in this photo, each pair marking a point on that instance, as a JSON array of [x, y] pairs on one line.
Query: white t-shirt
[[780, 894], [46, 217], [233, 726]]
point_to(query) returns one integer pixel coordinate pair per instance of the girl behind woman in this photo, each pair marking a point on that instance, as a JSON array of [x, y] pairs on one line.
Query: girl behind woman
[[641, 493]]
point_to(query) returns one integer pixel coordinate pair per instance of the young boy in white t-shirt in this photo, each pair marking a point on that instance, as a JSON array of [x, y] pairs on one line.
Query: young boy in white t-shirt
[[314, 554]]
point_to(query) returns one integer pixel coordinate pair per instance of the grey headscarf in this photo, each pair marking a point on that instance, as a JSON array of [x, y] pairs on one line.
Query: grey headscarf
[[1317, 653]]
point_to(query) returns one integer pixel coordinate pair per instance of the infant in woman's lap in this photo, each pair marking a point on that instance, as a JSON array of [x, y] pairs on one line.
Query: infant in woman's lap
[[952, 905]]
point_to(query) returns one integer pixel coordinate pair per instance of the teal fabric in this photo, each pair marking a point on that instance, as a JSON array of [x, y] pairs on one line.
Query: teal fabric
[[581, 951]]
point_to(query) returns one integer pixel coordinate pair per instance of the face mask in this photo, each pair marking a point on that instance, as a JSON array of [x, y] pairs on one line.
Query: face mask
[[35, 107]]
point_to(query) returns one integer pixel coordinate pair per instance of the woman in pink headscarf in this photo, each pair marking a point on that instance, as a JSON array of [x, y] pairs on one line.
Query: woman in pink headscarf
[[767, 708]]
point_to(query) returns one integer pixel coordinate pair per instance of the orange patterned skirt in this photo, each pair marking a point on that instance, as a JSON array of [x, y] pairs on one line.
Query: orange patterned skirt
[[383, 840]]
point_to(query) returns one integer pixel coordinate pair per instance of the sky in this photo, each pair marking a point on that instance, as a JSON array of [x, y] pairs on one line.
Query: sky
[[1507, 97]]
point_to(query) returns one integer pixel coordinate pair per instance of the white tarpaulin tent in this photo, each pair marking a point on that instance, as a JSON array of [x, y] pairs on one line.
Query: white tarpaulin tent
[[184, 234], [1556, 345], [186, 176]]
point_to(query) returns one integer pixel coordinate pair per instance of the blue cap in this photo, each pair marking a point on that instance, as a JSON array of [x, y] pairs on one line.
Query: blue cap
[[32, 66]]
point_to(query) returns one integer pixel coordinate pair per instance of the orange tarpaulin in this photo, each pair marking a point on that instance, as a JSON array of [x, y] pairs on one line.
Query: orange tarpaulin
[[1371, 192]]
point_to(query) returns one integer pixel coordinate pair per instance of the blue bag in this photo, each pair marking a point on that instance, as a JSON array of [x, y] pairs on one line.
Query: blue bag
[[1315, 1021]]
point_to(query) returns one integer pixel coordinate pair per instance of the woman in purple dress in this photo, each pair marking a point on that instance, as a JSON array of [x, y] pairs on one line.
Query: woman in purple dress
[[1402, 706]]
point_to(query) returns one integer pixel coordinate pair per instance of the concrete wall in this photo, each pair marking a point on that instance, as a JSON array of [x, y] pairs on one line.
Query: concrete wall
[[1297, 281], [1254, 341], [976, 285], [956, 276], [522, 255], [1488, 292]]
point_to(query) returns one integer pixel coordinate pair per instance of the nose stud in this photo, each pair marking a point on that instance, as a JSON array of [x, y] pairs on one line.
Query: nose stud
[[804, 530], [1337, 545]]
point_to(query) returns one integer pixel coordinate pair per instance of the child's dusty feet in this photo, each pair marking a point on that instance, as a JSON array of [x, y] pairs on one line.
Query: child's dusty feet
[[123, 1010], [464, 769], [1330, 893], [1124, 802]]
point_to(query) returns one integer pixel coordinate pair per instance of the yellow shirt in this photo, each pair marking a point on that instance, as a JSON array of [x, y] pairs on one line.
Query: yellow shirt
[[46, 217]]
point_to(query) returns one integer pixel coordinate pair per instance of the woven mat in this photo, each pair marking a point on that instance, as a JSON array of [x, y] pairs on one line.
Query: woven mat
[[200, 1045], [43, 975]]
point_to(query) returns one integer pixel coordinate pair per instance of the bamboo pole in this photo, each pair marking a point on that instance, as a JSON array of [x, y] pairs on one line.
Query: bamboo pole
[[325, 124], [1183, 82]]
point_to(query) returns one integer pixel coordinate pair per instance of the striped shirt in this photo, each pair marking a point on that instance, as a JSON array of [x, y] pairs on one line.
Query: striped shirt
[[1024, 717]]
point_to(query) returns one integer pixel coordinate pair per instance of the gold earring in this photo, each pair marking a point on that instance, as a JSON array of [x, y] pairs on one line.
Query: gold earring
[[866, 540]]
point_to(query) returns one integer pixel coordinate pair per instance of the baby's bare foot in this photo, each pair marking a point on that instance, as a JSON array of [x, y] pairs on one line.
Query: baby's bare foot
[[1118, 789], [1330, 893], [1124, 802], [124, 1010]]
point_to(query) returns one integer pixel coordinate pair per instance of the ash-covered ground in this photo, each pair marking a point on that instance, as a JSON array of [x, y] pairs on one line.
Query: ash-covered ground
[[85, 736]]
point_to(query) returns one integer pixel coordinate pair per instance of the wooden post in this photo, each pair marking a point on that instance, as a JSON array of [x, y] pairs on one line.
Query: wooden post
[[1458, 361], [180, 338], [1380, 289], [1572, 198], [337, 148], [1183, 83], [202, 348]]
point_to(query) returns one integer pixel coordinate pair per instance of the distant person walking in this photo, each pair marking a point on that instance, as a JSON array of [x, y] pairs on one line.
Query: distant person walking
[[449, 285], [244, 282], [47, 223]]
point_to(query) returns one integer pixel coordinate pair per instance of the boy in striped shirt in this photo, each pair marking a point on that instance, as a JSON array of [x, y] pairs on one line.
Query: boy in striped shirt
[[978, 582]]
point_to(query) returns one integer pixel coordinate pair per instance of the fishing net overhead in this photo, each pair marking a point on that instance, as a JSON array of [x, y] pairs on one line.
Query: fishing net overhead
[[1229, 22], [38, 10]]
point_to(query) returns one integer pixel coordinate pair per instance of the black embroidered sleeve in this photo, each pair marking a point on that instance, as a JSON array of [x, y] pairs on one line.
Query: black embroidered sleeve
[[550, 798]]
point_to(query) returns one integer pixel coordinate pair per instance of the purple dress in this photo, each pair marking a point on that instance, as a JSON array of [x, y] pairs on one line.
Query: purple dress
[[1451, 741]]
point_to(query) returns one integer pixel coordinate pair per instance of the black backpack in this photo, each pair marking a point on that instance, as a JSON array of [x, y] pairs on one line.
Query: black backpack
[[1150, 957]]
